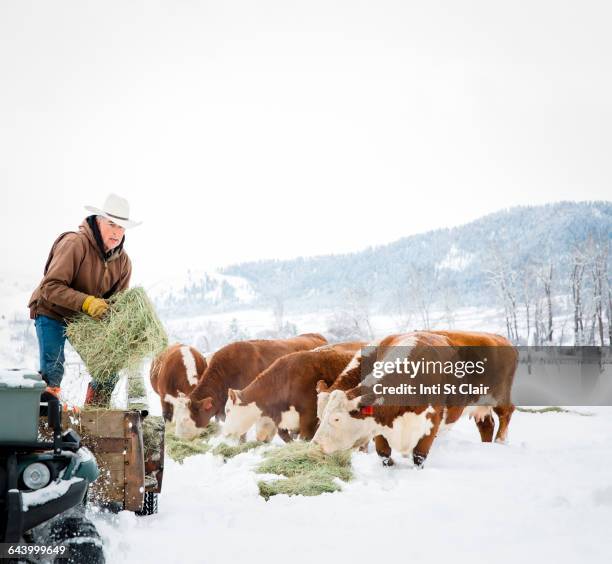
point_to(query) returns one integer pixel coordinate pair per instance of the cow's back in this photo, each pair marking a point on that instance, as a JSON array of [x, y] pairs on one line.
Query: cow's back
[[239, 363]]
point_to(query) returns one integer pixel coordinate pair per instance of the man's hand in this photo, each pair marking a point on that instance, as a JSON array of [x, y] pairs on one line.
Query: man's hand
[[96, 307]]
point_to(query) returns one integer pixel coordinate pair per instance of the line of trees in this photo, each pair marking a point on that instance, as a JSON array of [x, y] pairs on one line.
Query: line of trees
[[580, 291]]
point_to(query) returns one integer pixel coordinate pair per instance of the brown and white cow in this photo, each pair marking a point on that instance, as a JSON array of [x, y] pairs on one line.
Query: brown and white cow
[[283, 397], [412, 429], [233, 366], [176, 371]]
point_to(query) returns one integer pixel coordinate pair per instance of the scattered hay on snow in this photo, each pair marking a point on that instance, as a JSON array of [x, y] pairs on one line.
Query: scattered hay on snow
[[179, 449], [312, 483], [307, 469], [229, 451]]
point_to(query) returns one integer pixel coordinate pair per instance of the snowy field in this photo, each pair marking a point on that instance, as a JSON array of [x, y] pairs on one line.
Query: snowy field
[[545, 496]]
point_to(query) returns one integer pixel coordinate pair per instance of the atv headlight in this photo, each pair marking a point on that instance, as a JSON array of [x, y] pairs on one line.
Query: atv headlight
[[36, 476]]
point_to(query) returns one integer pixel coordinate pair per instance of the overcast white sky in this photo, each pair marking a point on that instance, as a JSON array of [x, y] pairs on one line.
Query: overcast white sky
[[250, 129]]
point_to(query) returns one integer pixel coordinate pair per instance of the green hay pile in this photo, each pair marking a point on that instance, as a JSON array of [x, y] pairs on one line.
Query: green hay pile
[[129, 332], [179, 449], [308, 470], [229, 451], [313, 483]]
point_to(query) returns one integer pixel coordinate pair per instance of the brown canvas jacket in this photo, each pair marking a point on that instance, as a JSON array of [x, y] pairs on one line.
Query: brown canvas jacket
[[76, 269]]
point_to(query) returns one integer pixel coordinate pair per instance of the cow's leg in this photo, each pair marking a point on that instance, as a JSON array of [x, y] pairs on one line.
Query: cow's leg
[[383, 450], [421, 450], [504, 412], [167, 410], [285, 435], [486, 426], [308, 426]]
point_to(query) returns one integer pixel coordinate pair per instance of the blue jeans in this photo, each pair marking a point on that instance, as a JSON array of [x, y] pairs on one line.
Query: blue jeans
[[51, 339]]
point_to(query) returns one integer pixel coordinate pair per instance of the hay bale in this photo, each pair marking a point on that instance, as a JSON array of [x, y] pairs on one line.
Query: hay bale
[[308, 470], [129, 332]]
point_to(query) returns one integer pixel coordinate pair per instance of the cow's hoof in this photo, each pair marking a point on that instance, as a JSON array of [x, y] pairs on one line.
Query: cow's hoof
[[388, 462], [418, 460]]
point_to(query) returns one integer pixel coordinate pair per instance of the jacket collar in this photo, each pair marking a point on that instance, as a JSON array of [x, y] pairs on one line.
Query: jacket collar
[[89, 227]]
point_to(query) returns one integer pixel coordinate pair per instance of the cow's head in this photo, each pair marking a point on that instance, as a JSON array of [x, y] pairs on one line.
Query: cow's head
[[190, 415], [239, 418], [341, 426], [202, 411], [322, 398], [185, 425]]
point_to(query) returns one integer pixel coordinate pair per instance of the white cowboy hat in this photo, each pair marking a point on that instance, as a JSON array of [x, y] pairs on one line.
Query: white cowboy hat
[[117, 210]]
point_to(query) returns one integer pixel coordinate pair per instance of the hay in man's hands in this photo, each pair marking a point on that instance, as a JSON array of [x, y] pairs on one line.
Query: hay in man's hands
[[129, 332]]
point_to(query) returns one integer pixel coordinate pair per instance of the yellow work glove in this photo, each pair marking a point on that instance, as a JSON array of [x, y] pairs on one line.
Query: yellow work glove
[[96, 307]]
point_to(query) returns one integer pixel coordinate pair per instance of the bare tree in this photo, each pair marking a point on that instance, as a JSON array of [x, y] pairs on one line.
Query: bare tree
[[546, 278], [577, 282], [503, 278], [599, 277], [422, 289]]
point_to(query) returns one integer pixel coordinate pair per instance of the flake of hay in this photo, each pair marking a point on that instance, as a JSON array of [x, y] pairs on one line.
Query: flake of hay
[[308, 470], [129, 332], [298, 458], [310, 484], [229, 451]]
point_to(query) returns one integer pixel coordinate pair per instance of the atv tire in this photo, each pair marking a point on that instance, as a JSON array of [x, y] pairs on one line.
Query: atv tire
[[150, 504], [77, 533]]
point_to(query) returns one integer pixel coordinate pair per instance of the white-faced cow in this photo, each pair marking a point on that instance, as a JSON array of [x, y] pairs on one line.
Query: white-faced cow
[[349, 420], [234, 366], [176, 371], [283, 397]]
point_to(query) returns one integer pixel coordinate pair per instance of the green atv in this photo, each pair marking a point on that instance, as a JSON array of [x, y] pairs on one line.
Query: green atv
[[43, 483]]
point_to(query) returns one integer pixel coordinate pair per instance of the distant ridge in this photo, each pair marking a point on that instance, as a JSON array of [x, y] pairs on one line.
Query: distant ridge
[[461, 255], [455, 262]]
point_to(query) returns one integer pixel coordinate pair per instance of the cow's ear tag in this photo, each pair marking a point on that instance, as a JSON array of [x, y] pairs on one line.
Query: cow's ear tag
[[367, 410]]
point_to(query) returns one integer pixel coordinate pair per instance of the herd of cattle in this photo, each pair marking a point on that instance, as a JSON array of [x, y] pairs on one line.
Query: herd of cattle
[[305, 387]]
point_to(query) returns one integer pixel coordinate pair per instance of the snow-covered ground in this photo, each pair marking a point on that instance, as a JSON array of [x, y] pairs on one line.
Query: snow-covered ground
[[545, 496]]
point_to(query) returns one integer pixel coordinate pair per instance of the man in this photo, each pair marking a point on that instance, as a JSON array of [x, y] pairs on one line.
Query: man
[[83, 270]]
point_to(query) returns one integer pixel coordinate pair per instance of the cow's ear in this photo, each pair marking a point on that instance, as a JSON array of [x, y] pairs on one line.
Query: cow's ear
[[322, 386], [354, 404], [207, 403], [233, 395]]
